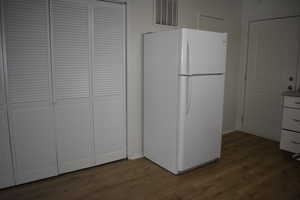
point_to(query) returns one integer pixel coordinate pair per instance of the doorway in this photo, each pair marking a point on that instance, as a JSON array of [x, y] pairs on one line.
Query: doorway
[[272, 62]]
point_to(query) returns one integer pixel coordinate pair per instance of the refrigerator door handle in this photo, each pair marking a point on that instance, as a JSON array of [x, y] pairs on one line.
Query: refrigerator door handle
[[188, 95], [188, 57]]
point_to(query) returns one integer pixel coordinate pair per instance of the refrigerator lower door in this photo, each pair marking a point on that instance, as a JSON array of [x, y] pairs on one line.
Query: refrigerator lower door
[[200, 124]]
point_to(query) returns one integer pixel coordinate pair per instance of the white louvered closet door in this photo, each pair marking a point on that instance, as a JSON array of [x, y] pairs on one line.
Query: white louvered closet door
[[71, 57], [29, 94], [6, 170], [109, 81]]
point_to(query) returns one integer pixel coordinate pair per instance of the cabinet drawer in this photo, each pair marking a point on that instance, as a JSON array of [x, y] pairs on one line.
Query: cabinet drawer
[[291, 119], [290, 141], [292, 102]]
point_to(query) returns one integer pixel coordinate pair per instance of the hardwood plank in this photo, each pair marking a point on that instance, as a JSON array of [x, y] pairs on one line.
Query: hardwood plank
[[250, 168]]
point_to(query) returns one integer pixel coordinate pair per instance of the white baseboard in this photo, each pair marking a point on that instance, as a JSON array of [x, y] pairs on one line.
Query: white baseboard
[[228, 131], [141, 155], [136, 156]]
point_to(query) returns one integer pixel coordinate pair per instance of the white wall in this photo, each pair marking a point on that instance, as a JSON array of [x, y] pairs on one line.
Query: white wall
[[260, 9], [255, 10], [140, 20]]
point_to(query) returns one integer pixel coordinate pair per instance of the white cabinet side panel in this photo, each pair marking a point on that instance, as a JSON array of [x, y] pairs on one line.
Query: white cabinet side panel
[[6, 168], [161, 64]]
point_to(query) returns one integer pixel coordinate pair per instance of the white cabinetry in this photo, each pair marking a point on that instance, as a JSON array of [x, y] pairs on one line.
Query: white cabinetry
[[290, 133]]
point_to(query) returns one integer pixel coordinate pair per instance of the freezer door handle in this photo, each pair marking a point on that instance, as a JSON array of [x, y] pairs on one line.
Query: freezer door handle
[[188, 94]]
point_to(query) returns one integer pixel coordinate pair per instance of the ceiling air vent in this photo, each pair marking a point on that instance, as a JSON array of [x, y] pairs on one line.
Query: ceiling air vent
[[166, 12]]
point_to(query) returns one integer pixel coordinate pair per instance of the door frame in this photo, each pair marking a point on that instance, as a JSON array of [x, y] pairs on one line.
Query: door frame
[[241, 110]]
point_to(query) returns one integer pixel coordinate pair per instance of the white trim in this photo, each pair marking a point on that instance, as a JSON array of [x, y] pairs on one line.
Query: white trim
[[136, 156], [228, 131], [52, 75], [125, 78]]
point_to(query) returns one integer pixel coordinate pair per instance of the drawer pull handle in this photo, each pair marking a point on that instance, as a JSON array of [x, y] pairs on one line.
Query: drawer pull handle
[[294, 142], [296, 120], [297, 102]]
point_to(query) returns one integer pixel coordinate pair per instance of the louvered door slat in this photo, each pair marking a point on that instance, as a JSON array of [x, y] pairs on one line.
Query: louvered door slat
[[108, 50], [70, 49], [27, 42]]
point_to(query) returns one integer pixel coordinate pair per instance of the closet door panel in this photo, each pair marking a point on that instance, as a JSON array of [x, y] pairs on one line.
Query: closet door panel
[[6, 168], [27, 49], [26, 27], [110, 133], [74, 136], [109, 82], [70, 49], [70, 22], [33, 141]]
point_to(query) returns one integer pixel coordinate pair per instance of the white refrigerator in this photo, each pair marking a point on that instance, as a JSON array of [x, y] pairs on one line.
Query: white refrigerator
[[183, 97]]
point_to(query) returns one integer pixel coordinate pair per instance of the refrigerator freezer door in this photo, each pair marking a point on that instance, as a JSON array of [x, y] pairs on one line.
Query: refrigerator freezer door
[[203, 52], [201, 113]]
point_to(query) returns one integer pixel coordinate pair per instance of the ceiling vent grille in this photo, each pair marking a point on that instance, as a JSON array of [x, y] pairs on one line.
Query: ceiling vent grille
[[166, 12]]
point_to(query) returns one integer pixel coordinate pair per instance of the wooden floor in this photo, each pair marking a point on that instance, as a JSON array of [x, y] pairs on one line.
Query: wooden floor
[[250, 168]]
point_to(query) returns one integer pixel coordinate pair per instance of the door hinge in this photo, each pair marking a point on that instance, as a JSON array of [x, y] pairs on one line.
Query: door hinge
[[245, 77], [242, 119]]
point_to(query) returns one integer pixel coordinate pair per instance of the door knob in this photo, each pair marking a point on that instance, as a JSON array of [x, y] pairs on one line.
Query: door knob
[[290, 87], [291, 78]]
